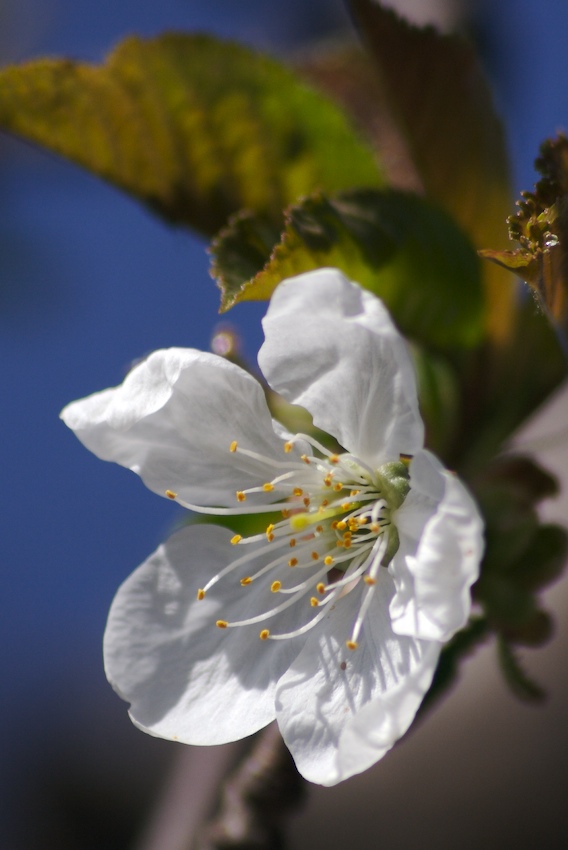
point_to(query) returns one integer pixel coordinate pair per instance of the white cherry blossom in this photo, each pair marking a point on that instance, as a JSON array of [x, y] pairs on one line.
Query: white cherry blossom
[[332, 620]]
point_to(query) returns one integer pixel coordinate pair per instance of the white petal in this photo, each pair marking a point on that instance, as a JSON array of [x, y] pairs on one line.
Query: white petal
[[332, 348], [186, 679], [338, 722], [172, 422], [439, 556]]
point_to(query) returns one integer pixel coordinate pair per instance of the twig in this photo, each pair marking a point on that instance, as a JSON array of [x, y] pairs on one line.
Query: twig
[[264, 790]]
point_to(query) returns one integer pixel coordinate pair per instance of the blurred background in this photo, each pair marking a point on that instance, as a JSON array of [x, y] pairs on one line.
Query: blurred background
[[90, 282]]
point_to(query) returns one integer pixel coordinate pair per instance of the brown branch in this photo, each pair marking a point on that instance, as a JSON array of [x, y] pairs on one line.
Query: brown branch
[[263, 791]]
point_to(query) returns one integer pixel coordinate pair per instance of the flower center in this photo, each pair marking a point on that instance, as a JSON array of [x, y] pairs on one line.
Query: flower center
[[336, 530]]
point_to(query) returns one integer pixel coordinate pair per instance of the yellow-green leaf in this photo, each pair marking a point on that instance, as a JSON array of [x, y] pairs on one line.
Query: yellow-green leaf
[[444, 107], [194, 127], [400, 246]]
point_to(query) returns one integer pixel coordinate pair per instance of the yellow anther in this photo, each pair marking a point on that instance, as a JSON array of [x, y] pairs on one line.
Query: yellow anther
[[328, 560], [305, 458], [351, 644], [241, 497], [221, 624], [297, 491], [327, 480], [369, 580], [314, 602], [201, 593], [246, 580], [288, 447], [315, 556], [268, 487], [236, 539], [285, 513], [337, 487], [339, 543], [306, 502], [353, 524], [334, 525], [264, 634], [319, 528], [341, 525], [292, 542], [293, 562], [320, 587], [275, 586], [362, 520], [405, 459], [354, 492], [334, 459], [325, 503], [233, 446], [269, 528], [375, 527], [171, 495], [347, 543]]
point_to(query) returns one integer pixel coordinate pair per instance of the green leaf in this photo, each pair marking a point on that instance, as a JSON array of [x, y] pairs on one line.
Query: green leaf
[[519, 682], [194, 127], [402, 248], [439, 398], [443, 105], [509, 388], [544, 560]]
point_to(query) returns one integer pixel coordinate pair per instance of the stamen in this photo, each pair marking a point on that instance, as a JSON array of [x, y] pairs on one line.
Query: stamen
[[250, 556], [171, 495], [328, 560], [320, 587], [351, 644], [246, 580], [266, 615], [201, 594], [268, 487], [233, 446], [221, 624], [236, 539], [275, 586], [288, 447], [264, 634], [306, 459], [241, 497], [307, 626], [314, 602], [293, 562]]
